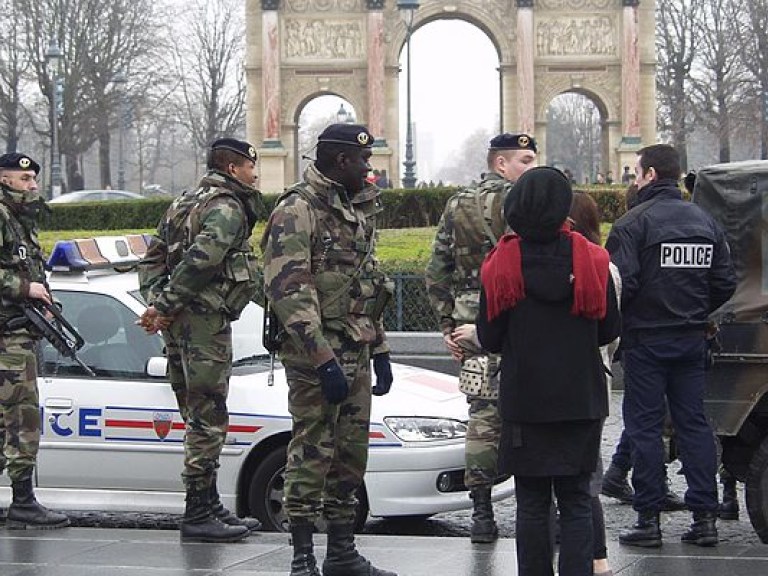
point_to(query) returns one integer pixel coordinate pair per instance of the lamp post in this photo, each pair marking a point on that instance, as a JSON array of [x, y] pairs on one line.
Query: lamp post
[[53, 57], [120, 81], [343, 116], [408, 10]]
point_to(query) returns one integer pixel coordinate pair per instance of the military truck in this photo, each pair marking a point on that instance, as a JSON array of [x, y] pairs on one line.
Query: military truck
[[736, 194]]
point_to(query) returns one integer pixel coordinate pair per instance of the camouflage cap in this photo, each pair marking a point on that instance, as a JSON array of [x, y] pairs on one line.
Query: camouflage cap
[[17, 161], [509, 141], [352, 134], [237, 146]]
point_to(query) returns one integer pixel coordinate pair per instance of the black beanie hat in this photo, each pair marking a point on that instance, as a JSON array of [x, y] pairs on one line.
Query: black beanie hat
[[538, 204]]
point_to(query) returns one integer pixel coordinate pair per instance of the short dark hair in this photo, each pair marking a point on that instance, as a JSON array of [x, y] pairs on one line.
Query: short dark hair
[[586, 216], [661, 157], [221, 158], [327, 152]]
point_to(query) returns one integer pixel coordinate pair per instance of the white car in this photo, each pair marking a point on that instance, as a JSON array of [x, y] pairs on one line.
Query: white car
[[113, 442]]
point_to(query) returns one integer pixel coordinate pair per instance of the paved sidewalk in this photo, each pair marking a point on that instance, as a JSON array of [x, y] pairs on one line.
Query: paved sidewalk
[[114, 552]]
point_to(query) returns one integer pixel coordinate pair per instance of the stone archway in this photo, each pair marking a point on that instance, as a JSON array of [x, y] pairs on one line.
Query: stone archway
[[351, 48]]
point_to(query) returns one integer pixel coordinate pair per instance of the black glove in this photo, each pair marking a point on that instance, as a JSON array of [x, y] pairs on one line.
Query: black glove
[[383, 370], [334, 383]]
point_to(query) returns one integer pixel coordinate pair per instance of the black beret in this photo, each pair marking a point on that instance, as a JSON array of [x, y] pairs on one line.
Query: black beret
[[509, 141], [352, 134], [236, 146], [538, 204], [17, 161]]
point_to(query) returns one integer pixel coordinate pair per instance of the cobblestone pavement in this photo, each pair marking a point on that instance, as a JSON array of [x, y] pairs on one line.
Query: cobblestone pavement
[[617, 516]]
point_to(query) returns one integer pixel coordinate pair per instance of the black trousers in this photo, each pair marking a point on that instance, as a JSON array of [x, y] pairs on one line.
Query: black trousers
[[534, 538]]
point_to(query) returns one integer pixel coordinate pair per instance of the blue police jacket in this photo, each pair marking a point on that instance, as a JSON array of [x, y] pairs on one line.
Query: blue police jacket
[[674, 261]]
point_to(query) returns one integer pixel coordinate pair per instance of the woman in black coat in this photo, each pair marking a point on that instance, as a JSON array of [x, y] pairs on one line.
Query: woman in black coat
[[547, 305]]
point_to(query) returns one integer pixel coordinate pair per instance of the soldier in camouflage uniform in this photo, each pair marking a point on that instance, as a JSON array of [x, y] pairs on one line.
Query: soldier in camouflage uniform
[[324, 286], [471, 224], [197, 276], [22, 277]]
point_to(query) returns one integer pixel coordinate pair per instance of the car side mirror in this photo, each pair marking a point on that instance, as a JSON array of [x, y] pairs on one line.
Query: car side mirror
[[157, 367]]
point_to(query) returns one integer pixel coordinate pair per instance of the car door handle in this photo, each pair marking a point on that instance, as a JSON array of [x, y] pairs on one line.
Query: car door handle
[[58, 404]]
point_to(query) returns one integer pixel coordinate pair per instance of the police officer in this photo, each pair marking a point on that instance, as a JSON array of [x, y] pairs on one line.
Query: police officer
[[675, 269], [471, 223], [22, 277], [324, 285], [197, 276]]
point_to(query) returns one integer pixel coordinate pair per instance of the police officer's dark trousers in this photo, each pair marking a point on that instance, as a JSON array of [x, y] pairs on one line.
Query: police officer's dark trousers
[[671, 364]]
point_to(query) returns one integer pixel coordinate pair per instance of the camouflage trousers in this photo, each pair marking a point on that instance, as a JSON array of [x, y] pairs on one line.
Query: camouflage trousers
[[328, 452], [20, 405], [482, 443], [199, 350]]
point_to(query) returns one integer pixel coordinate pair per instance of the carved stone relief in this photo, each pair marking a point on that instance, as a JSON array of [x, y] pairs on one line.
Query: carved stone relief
[[576, 36], [297, 6], [323, 39], [570, 5], [498, 10]]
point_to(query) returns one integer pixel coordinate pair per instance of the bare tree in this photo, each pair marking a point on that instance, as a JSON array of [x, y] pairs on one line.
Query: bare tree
[[209, 60], [574, 136], [469, 161], [99, 39], [677, 38], [720, 77], [755, 57], [14, 64]]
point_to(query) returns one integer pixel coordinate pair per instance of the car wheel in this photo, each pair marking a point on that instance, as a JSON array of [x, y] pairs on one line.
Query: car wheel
[[265, 495], [757, 491]]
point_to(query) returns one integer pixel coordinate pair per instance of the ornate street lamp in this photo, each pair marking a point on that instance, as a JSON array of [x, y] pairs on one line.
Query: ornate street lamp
[[408, 10], [343, 116], [53, 58], [120, 81]]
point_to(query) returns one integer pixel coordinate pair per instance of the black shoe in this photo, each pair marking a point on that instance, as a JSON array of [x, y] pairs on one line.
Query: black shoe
[[646, 532], [343, 559], [484, 529], [200, 525], [615, 485], [304, 562], [703, 531], [672, 502], [26, 513], [729, 508]]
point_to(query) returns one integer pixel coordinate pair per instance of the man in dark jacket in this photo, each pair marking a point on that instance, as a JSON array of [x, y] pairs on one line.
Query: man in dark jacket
[[675, 269], [548, 294]]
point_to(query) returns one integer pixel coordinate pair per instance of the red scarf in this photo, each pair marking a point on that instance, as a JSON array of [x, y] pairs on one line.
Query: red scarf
[[502, 276]]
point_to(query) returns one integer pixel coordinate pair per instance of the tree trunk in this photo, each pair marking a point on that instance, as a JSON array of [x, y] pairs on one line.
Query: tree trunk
[[105, 170]]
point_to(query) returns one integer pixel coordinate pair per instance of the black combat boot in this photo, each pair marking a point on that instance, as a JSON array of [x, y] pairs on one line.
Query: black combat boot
[[646, 532], [729, 509], [225, 515], [484, 529], [303, 563], [703, 531], [672, 502], [615, 485], [200, 525], [25, 512], [343, 559]]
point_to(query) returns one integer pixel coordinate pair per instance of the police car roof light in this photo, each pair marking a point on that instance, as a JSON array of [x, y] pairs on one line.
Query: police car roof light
[[97, 253]]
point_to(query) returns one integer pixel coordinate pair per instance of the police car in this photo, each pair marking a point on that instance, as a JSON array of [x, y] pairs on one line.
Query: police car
[[113, 441]]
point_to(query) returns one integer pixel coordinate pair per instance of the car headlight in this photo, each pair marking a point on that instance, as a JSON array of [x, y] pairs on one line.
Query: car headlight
[[425, 429]]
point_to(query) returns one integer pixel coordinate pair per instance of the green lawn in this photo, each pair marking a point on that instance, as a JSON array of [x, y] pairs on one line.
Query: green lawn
[[405, 249]]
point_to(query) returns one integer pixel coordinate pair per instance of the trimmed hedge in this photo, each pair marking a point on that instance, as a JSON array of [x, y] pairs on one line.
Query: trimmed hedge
[[402, 209]]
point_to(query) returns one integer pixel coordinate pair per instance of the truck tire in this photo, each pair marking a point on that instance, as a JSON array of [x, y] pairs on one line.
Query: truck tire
[[265, 494], [757, 491]]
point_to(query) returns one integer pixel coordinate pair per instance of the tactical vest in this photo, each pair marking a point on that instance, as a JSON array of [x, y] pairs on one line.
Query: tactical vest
[[352, 292], [20, 255], [237, 284], [474, 236]]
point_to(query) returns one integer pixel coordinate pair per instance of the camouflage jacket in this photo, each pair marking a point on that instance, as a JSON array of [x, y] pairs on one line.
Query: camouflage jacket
[[461, 243], [217, 270], [21, 258], [320, 273]]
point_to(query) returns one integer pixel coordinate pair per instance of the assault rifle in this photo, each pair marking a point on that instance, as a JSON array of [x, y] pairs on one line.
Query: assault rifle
[[58, 331], [272, 337]]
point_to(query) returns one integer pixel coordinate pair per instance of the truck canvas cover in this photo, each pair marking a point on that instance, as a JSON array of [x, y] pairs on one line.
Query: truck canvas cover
[[736, 194]]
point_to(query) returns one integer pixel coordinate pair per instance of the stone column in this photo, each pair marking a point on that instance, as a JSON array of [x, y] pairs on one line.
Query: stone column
[[526, 114], [630, 86], [272, 155], [376, 101]]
